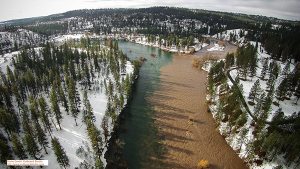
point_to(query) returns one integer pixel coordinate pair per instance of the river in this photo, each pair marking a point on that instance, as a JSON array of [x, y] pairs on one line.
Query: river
[[156, 131], [140, 138]]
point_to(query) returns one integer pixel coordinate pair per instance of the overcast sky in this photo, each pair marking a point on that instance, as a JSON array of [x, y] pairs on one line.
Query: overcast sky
[[17, 9]]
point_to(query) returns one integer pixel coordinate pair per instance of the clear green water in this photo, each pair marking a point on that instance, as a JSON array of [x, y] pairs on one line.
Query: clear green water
[[141, 142]]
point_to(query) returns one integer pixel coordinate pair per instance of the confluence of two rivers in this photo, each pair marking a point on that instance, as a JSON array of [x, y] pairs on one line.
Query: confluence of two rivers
[[156, 130]]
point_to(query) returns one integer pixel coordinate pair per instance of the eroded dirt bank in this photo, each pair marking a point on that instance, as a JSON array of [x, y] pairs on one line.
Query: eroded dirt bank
[[182, 94]]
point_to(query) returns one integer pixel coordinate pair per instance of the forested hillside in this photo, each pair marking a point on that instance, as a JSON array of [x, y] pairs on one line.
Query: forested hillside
[[279, 37], [19, 38], [256, 106], [44, 94]]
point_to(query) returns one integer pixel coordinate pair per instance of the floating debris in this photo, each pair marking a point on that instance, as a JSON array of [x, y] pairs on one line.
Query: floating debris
[[142, 58]]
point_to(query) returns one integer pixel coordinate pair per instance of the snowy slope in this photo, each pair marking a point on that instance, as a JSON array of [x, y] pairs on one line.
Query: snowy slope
[[288, 107], [236, 36], [71, 137], [21, 37]]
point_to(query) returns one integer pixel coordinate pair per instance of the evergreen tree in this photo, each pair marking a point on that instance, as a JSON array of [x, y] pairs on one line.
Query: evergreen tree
[[272, 144], [34, 108], [296, 75], [255, 90], [87, 75], [31, 146], [54, 106], [15, 91], [18, 147], [237, 79], [92, 71], [85, 99], [25, 120], [82, 59], [41, 136], [264, 69], [95, 138], [271, 81], [45, 83], [286, 69], [275, 70], [290, 86], [242, 120], [73, 99], [85, 103], [38, 84], [66, 80], [10, 75], [282, 89], [79, 78], [229, 60], [63, 99], [57, 81], [73, 93], [116, 101], [110, 90], [60, 154], [121, 100], [45, 114], [253, 64], [7, 122], [22, 88], [50, 77], [30, 81], [127, 87], [220, 110], [90, 115], [268, 101], [5, 151], [5, 98], [159, 40], [242, 136], [258, 106], [74, 112], [72, 69], [4, 79], [297, 93], [104, 126], [261, 121]]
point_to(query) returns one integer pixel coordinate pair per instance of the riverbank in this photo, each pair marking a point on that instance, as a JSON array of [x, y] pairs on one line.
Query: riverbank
[[181, 96]]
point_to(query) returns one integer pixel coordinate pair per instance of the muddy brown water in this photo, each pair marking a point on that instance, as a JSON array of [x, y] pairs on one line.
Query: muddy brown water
[[182, 94]]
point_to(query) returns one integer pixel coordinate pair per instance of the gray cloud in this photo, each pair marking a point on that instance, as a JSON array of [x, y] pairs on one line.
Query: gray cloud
[[96, 1], [284, 9]]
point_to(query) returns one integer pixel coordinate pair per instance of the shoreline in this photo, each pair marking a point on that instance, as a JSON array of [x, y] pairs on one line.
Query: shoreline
[[181, 96]]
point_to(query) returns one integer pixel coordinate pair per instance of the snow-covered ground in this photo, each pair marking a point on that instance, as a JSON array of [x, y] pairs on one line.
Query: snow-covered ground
[[19, 38], [173, 48], [236, 36], [64, 38], [7, 57], [71, 137], [216, 47], [288, 107]]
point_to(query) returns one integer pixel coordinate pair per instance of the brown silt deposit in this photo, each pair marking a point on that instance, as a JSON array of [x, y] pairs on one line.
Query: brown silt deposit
[[189, 130]]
